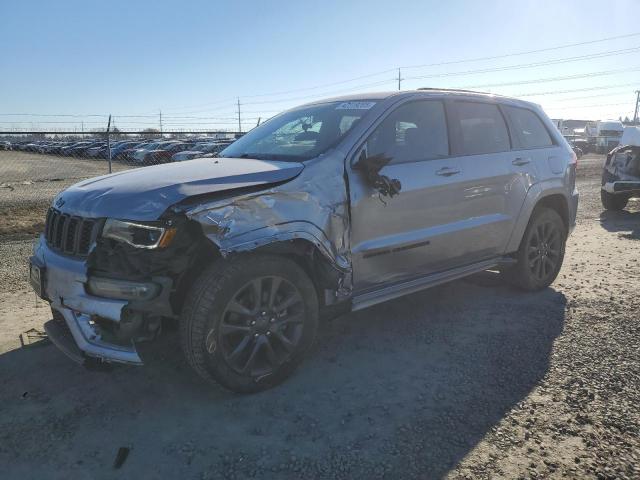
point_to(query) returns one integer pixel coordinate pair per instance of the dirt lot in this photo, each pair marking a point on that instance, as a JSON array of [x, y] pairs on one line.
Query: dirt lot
[[468, 380], [28, 182]]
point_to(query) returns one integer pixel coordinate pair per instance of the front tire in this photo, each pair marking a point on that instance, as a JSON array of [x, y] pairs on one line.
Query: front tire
[[612, 201], [541, 251], [248, 322]]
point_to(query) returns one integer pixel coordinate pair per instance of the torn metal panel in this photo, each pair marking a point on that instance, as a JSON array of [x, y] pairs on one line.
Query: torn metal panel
[[313, 207]]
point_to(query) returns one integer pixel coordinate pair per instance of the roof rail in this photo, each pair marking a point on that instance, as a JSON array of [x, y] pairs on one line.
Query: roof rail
[[457, 90]]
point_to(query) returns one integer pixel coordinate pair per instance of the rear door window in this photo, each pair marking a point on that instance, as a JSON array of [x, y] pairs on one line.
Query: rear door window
[[480, 128], [528, 129], [413, 132]]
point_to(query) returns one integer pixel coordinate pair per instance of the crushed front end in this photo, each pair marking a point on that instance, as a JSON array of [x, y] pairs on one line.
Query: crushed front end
[[110, 283], [621, 173]]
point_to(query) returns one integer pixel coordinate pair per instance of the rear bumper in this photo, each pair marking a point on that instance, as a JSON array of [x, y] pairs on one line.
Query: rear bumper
[[622, 186], [74, 309]]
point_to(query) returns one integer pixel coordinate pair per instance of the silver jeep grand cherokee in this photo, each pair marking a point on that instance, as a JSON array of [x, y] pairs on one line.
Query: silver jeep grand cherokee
[[330, 207]]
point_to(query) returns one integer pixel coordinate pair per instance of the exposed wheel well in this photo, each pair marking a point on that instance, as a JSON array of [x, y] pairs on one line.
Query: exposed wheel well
[[558, 203], [319, 269]]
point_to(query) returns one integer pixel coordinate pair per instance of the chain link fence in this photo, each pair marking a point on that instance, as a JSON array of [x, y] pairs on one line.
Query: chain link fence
[[35, 166]]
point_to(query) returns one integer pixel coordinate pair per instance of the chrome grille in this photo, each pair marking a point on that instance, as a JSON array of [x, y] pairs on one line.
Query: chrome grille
[[69, 234]]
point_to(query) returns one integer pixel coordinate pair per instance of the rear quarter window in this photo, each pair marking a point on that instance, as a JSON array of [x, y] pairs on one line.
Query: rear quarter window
[[528, 129], [480, 128]]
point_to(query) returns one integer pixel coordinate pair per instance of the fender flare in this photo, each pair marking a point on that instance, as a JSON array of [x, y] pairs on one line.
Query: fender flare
[[535, 195]]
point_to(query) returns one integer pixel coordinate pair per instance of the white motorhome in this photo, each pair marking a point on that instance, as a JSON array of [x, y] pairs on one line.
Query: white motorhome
[[608, 133]]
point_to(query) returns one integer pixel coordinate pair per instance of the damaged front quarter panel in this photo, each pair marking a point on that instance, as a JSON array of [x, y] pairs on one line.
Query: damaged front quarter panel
[[312, 207]]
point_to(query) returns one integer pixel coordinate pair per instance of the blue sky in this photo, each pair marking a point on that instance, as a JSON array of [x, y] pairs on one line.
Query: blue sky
[[193, 58]]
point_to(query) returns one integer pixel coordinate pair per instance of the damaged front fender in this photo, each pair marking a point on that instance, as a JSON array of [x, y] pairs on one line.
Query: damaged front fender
[[312, 207]]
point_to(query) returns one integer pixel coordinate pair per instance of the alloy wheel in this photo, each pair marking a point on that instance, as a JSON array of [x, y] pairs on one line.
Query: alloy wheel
[[261, 326], [543, 252]]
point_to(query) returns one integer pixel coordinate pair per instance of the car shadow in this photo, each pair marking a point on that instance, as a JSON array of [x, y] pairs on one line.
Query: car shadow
[[403, 389], [622, 221]]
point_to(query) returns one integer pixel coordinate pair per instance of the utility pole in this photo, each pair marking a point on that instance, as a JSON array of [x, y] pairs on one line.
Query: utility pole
[[82, 127], [109, 142], [239, 118], [635, 115], [160, 122], [399, 80]]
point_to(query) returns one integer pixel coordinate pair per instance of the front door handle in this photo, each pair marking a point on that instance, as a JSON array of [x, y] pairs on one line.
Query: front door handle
[[521, 161], [447, 171]]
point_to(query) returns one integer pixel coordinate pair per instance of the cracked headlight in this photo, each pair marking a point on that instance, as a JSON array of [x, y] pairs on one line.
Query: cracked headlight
[[138, 235]]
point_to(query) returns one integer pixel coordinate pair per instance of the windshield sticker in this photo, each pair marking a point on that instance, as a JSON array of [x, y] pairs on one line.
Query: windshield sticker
[[355, 105]]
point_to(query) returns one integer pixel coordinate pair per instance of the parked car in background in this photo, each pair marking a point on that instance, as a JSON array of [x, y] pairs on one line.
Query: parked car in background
[[164, 153], [582, 144], [122, 146], [126, 154], [621, 172], [69, 150], [199, 150], [334, 206], [81, 150], [96, 151], [5, 145], [140, 154]]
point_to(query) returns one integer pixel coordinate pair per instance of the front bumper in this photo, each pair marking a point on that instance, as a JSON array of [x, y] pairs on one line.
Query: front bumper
[[64, 287]]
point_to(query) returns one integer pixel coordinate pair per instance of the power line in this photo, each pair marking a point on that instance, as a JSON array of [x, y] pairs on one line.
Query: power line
[[118, 116], [566, 107], [530, 65], [556, 79], [573, 90], [626, 92], [324, 94], [453, 62], [333, 84], [528, 52], [399, 79], [149, 124]]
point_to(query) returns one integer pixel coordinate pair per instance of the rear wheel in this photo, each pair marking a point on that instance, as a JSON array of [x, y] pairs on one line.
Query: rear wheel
[[541, 251], [248, 322], [612, 201]]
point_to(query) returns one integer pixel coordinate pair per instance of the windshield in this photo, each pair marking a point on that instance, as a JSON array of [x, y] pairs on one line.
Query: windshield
[[300, 134]]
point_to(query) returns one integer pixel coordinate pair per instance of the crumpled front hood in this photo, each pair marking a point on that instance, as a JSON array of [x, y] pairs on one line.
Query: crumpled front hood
[[145, 193]]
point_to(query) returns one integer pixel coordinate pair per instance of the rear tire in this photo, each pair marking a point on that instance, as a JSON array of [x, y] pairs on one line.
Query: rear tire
[[612, 201], [541, 252], [248, 322]]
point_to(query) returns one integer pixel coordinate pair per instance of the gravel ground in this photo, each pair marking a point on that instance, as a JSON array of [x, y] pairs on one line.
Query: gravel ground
[[29, 181], [467, 380]]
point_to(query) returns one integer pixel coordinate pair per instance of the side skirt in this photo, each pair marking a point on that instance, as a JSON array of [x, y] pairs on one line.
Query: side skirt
[[396, 290]]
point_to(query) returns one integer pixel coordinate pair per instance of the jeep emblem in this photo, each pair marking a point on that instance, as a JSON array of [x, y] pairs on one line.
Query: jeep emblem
[[60, 202]]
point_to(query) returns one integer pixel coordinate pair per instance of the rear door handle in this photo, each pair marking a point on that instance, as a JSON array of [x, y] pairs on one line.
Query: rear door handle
[[521, 161], [447, 171]]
